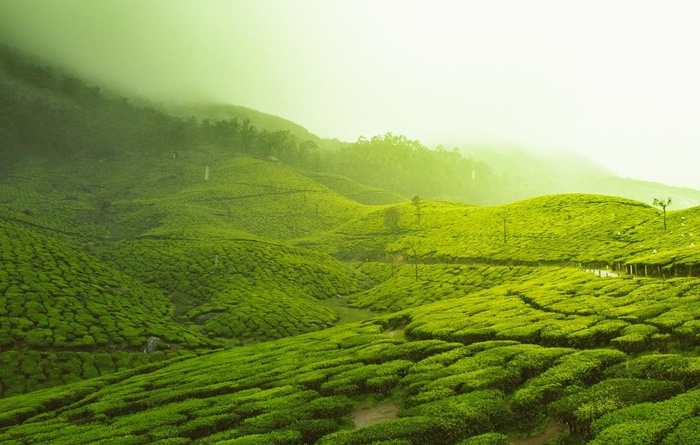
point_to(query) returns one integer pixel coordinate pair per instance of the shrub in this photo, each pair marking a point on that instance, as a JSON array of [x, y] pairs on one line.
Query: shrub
[[486, 439], [579, 410], [651, 419], [415, 430], [465, 415], [286, 437], [313, 429], [632, 433], [330, 407], [685, 433]]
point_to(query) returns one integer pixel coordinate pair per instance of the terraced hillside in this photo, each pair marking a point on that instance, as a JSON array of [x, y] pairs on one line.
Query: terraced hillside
[[98, 263], [65, 316], [557, 229], [475, 369], [155, 288], [473, 307]]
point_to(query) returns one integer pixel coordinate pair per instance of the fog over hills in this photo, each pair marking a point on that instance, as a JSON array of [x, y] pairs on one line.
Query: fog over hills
[[449, 71], [178, 269]]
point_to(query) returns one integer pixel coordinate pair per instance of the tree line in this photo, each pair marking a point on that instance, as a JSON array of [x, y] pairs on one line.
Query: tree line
[[52, 113]]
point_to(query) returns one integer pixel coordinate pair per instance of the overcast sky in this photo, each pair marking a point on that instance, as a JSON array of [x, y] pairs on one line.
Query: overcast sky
[[616, 80]]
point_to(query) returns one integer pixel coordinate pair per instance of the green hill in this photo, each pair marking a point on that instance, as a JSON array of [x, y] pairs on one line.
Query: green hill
[[356, 191], [64, 316], [561, 229], [168, 280], [488, 363]]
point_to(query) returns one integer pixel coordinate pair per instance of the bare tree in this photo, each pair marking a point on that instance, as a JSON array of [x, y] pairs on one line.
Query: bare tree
[[662, 203]]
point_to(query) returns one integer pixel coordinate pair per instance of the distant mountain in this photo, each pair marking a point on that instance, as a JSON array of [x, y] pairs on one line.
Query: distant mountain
[[526, 174]]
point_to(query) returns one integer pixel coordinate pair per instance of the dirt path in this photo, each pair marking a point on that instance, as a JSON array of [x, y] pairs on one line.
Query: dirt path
[[552, 430], [363, 416], [395, 332]]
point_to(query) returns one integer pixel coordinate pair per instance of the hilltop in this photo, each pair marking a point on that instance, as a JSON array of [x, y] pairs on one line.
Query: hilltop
[[166, 280]]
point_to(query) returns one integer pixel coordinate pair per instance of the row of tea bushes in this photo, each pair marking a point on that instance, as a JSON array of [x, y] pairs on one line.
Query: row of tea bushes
[[242, 194], [443, 421], [55, 297], [245, 289], [303, 389], [666, 422], [26, 371], [570, 308], [435, 282], [580, 409]]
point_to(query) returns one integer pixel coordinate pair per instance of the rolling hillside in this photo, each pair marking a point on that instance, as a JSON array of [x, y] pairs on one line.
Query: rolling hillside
[[193, 290]]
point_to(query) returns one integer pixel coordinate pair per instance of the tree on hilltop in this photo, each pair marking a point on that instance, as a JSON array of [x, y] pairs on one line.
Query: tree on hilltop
[[418, 204], [662, 203], [392, 215]]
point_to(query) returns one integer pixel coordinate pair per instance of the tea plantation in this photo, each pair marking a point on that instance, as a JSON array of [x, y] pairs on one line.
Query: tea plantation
[[199, 298], [457, 376]]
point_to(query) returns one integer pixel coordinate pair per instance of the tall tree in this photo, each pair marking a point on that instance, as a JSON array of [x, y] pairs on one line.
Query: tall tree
[[662, 203], [392, 215], [418, 204]]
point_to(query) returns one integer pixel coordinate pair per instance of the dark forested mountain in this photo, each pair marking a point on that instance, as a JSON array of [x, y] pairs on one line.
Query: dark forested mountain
[[46, 111], [222, 112]]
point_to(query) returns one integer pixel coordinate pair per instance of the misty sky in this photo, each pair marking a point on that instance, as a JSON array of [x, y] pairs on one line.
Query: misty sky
[[616, 80]]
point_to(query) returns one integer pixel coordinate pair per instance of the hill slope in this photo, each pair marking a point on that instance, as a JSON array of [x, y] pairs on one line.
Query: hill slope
[[515, 354], [482, 330]]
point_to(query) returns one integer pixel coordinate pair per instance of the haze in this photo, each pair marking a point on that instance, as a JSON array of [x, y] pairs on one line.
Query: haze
[[615, 80]]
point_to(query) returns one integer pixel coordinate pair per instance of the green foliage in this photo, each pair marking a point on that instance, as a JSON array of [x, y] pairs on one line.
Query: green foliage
[[414, 430], [577, 369], [687, 432], [580, 409], [199, 246], [354, 190], [646, 422], [486, 439], [466, 415], [393, 162], [660, 366], [246, 290]]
